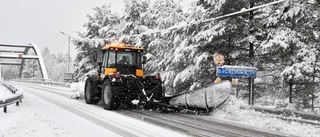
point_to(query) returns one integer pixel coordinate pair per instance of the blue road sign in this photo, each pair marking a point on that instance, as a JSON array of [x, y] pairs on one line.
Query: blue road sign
[[236, 71]]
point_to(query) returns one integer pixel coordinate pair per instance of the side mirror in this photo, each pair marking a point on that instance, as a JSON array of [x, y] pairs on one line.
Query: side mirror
[[99, 63], [144, 60], [100, 66]]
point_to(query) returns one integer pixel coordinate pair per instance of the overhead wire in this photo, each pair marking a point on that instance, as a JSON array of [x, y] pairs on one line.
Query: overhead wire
[[60, 46], [208, 20]]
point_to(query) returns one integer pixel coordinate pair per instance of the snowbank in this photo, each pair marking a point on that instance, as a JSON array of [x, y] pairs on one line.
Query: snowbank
[[78, 89], [5, 93], [234, 110], [28, 121]]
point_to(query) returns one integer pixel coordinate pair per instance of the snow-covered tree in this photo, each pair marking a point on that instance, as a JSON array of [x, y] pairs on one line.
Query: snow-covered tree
[[281, 40], [56, 65], [197, 41], [101, 29], [292, 46], [10, 72]]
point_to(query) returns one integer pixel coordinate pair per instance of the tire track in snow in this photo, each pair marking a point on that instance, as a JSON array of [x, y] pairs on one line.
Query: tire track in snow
[[188, 124], [86, 116], [98, 116]]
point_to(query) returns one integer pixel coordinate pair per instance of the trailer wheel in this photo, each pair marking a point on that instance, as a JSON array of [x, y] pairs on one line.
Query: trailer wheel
[[89, 96], [108, 98]]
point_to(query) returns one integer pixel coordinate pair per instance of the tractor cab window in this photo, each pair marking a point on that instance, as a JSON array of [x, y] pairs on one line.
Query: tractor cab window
[[125, 58], [128, 58], [111, 59]]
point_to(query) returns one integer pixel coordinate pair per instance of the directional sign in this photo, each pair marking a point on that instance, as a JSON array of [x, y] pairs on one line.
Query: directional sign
[[236, 71]]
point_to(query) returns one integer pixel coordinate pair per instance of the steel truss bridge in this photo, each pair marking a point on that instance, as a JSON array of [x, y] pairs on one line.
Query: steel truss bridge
[[17, 54]]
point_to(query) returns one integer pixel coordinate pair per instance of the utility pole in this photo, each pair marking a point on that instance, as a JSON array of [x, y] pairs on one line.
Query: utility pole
[[68, 69], [0, 74]]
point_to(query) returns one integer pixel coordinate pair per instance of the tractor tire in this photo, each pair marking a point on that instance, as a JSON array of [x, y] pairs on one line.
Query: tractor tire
[[109, 100], [89, 96]]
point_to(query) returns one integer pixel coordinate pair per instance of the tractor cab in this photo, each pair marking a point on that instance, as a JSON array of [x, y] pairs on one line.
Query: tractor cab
[[122, 59]]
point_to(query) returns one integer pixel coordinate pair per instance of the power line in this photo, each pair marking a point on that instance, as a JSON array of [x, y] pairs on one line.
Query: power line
[[60, 46], [208, 20], [243, 11]]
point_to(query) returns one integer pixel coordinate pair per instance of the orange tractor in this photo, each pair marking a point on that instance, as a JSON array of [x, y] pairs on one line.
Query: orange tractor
[[121, 80]]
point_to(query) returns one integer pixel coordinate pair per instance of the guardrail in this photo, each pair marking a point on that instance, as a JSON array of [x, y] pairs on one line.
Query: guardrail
[[15, 99], [288, 112], [43, 81]]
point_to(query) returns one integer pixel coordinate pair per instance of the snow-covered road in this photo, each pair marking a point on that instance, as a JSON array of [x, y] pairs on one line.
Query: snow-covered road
[[48, 111], [82, 120]]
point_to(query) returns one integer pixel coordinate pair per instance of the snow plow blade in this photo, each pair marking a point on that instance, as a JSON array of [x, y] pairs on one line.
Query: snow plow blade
[[206, 98]]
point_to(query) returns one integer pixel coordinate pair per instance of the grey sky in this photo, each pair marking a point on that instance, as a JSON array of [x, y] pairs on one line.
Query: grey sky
[[40, 21]]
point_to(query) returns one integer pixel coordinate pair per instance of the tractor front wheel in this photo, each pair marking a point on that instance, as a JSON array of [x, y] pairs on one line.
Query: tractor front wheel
[[89, 95], [109, 100]]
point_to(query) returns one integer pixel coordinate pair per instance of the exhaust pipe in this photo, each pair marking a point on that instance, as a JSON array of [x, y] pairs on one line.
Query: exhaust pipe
[[206, 98]]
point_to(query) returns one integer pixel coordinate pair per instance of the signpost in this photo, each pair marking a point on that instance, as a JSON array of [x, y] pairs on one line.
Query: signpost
[[239, 71]]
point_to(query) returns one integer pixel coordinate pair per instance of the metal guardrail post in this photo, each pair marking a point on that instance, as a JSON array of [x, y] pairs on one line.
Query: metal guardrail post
[[12, 100]]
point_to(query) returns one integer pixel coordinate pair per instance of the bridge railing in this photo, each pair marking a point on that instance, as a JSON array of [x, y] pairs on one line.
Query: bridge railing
[[43, 81], [16, 98]]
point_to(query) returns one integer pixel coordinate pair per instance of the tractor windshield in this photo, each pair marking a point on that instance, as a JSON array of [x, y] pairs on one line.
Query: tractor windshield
[[113, 59]]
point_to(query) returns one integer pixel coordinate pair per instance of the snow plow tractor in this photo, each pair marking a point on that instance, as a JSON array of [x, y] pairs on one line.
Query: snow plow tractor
[[121, 80]]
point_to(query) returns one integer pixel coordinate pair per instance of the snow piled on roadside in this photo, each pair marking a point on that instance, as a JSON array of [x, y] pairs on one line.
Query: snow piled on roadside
[[235, 110], [27, 121], [78, 90], [5, 93]]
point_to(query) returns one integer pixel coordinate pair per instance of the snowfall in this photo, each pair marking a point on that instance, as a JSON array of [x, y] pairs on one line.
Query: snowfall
[[28, 120]]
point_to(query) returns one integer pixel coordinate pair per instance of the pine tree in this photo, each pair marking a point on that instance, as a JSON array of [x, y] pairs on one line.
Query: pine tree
[[180, 46], [292, 40], [101, 29], [56, 65]]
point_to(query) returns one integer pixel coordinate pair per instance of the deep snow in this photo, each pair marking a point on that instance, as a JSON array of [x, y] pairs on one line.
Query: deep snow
[[234, 110], [37, 117], [26, 120], [5, 94]]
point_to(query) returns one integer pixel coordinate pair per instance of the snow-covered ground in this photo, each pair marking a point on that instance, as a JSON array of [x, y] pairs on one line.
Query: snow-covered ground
[[234, 110], [36, 117], [28, 121], [5, 94]]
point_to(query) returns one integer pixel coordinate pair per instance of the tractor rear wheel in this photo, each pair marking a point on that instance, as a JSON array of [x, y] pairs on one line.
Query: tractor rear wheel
[[109, 100], [89, 95]]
